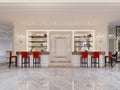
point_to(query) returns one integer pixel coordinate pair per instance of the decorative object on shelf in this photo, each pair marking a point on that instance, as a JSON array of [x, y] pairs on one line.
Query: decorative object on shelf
[[82, 42], [31, 50], [42, 35], [89, 35], [42, 50], [45, 35], [37, 41], [41, 44]]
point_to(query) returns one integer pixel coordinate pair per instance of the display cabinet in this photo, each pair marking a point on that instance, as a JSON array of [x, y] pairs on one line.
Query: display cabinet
[[83, 42], [37, 41]]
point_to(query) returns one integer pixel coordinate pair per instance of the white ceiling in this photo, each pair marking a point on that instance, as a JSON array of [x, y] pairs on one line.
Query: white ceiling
[[60, 13]]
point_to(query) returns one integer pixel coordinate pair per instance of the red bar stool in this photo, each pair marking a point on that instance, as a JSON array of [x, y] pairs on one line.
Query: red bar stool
[[95, 59], [84, 58], [25, 59], [36, 59], [109, 58], [12, 57]]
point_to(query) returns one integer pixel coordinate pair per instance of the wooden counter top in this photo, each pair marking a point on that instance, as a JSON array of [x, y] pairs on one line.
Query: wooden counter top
[[30, 53], [90, 53]]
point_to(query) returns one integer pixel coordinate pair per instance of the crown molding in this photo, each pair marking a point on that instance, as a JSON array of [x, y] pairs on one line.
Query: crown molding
[[59, 1]]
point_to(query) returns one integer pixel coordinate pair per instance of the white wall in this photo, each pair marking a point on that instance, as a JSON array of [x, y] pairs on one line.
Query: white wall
[[5, 45], [5, 41], [101, 29]]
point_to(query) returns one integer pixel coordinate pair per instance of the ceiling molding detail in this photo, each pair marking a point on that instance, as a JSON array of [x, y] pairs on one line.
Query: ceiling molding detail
[[59, 1]]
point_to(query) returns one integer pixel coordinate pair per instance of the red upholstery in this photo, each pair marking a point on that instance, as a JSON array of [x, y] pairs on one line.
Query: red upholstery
[[25, 59], [110, 59], [96, 54], [110, 55], [11, 55], [84, 59], [95, 61], [36, 59], [84, 55], [25, 55], [36, 54]]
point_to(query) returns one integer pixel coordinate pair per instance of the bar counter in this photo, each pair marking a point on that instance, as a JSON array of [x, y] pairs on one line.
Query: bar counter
[[45, 61], [30, 53], [76, 58], [89, 53]]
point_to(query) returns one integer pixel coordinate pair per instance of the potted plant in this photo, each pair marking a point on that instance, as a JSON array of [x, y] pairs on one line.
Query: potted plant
[[118, 54], [119, 46]]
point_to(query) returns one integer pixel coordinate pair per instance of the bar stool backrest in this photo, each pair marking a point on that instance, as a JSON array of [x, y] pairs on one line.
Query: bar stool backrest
[[10, 53], [96, 54], [36, 54], [24, 55], [84, 54], [110, 54]]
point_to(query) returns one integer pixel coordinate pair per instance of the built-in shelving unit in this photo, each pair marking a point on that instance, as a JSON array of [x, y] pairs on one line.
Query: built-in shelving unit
[[37, 41], [83, 41]]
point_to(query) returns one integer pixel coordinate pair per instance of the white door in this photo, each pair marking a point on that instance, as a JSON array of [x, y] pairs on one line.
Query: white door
[[60, 46]]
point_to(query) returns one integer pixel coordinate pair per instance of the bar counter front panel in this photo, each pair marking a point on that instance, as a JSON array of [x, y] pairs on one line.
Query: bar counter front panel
[[44, 58], [76, 58]]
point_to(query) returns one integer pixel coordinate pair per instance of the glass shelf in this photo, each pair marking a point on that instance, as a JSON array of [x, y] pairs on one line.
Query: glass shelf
[[37, 41], [83, 41]]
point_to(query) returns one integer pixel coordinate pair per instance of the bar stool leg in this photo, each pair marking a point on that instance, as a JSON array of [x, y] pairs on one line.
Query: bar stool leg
[[33, 62], [87, 62], [16, 61], [22, 62], [91, 61], [40, 61], [105, 61], [80, 61], [25, 63], [95, 62], [98, 63], [10, 62], [111, 62], [29, 61]]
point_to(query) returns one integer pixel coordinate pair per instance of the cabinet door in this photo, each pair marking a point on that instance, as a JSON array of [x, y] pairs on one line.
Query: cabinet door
[[60, 47]]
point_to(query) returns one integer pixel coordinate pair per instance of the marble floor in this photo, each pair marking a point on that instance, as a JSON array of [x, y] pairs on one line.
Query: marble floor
[[66, 78]]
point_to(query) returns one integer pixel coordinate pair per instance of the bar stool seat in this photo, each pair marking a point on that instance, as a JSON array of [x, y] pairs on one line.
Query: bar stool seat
[[12, 57], [95, 59], [36, 59], [84, 59], [25, 59]]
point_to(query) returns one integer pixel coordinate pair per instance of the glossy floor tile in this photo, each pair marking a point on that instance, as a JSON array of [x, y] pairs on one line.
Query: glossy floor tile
[[71, 78]]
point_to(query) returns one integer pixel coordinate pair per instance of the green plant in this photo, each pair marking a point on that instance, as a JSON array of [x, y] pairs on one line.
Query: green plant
[[119, 45]]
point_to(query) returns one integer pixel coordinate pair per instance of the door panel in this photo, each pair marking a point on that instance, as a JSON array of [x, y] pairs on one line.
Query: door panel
[[60, 47]]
